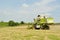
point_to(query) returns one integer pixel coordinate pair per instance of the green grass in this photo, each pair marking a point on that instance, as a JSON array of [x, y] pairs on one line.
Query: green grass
[[3, 24]]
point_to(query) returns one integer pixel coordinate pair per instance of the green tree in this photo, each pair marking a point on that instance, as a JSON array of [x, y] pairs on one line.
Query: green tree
[[16, 23], [11, 23], [22, 22]]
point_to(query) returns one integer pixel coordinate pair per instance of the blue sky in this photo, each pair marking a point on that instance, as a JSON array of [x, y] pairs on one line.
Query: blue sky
[[26, 10]]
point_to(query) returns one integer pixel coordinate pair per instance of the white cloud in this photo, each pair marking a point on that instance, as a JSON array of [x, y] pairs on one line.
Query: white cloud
[[38, 7], [44, 2], [25, 5], [42, 7]]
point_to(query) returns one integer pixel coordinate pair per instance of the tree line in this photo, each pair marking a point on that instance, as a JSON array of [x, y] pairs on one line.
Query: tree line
[[11, 23]]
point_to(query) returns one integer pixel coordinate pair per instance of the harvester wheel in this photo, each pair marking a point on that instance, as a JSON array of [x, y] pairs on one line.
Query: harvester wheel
[[36, 26], [45, 27]]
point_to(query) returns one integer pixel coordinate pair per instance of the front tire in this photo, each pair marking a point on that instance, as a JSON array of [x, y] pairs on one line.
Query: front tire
[[37, 26]]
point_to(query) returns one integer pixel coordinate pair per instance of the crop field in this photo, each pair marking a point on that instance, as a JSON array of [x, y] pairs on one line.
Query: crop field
[[22, 33]]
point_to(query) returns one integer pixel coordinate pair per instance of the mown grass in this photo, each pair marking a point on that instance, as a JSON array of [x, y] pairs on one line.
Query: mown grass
[[18, 33], [53, 37]]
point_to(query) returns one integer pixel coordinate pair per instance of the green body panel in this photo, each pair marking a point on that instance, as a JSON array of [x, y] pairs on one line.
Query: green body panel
[[50, 20], [44, 20]]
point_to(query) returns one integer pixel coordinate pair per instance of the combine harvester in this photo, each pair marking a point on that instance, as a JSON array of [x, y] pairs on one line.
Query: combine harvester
[[42, 22]]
